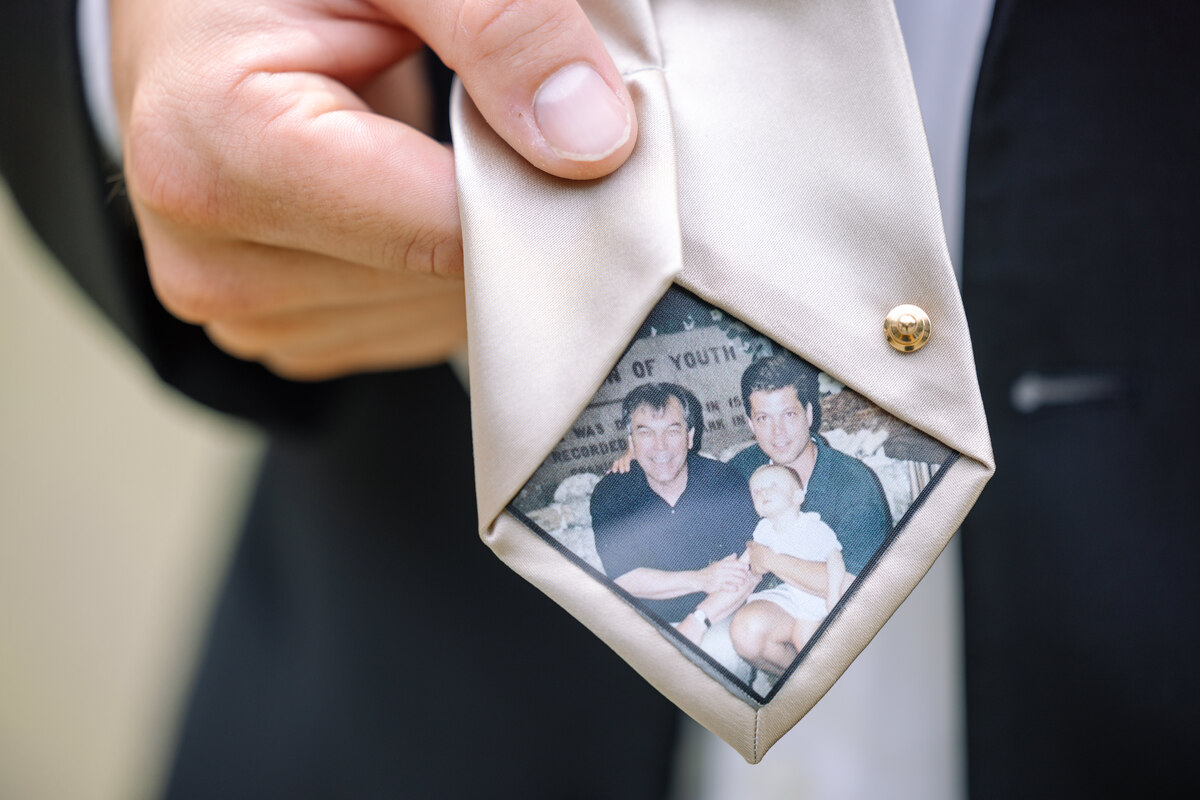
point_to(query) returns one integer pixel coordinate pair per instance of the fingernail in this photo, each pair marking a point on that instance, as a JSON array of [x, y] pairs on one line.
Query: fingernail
[[579, 116]]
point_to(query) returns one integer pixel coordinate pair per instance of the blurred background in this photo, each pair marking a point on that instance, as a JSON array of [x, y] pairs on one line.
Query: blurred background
[[117, 503]]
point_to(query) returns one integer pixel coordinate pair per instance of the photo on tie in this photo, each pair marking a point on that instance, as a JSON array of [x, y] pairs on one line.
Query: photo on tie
[[730, 492]]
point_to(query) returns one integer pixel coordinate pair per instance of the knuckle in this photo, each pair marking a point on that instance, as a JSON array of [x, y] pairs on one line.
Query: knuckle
[[418, 257], [447, 259], [302, 369], [249, 346], [163, 174], [514, 32], [425, 253], [395, 254], [228, 339], [187, 290]]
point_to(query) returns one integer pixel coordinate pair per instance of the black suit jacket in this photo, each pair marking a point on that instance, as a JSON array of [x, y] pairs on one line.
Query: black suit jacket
[[1080, 270], [366, 645]]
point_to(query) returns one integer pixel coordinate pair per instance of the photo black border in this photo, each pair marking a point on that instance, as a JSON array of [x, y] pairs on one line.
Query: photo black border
[[690, 648]]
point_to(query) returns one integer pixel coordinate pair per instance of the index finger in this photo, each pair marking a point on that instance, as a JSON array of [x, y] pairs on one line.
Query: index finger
[[274, 148]]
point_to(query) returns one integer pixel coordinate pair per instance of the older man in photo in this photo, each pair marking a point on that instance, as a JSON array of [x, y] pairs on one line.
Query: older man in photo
[[670, 530]]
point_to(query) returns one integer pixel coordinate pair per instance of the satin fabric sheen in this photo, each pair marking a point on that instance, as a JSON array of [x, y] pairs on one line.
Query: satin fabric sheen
[[782, 174]]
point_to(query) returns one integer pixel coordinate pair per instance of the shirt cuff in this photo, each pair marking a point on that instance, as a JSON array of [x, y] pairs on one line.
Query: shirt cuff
[[92, 26]]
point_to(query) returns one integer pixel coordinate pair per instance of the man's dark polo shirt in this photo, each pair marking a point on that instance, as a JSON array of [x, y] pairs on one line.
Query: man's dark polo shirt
[[634, 527], [847, 495]]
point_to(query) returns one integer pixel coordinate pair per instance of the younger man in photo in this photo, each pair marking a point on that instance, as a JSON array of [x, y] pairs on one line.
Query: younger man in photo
[[782, 400]]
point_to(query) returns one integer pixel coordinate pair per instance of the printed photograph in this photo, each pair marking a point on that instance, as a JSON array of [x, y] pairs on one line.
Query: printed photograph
[[729, 491]]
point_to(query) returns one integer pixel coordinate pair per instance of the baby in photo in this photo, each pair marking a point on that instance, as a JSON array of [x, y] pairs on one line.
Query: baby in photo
[[773, 626]]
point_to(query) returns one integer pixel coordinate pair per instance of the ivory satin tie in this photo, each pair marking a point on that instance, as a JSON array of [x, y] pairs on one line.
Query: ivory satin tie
[[781, 185]]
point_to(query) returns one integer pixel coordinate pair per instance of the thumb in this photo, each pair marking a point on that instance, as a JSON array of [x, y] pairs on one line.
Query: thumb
[[538, 73]]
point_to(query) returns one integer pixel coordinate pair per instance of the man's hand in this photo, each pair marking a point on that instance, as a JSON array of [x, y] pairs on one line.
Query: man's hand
[[623, 463], [727, 575], [280, 207], [720, 605], [760, 557], [808, 576]]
